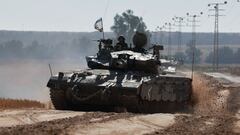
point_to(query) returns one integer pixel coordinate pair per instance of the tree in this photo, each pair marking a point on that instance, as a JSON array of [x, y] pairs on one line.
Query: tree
[[13, 48], [237, 56], [36, 50], [127, 23], [209, 58], [82, 46], [180, 56], [189, 53], [225, 55]]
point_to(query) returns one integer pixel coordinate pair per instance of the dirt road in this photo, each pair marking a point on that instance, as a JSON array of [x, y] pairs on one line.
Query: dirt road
[[216, 111], [225, 78], [68, 122]]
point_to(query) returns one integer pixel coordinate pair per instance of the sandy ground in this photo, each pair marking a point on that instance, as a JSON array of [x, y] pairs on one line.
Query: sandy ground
[[231, 81], [10, 118], [217, 111], [128, 126], [69, 122]]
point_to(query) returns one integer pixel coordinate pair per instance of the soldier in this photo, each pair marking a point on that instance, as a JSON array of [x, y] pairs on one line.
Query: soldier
[[121, 45], [156, 50]]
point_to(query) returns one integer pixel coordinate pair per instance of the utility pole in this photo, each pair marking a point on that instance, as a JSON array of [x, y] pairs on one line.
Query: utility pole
[[194, 21], [156, 34], [169, 50], [161, 29], [178, 22], [216, 9]]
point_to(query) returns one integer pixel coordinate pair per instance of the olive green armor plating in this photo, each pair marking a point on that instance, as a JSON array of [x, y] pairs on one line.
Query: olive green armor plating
[[131, 78]]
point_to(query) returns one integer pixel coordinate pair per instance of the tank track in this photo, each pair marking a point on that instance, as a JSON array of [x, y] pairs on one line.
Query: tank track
[[59, 99], [60, 102]]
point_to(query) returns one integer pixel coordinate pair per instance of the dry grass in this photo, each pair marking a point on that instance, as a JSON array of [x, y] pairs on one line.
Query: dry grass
[[15, 104]]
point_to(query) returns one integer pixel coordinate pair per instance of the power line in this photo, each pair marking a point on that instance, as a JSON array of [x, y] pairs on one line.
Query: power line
[[178, 22], [161, 34], [169, 28], [156, 34], [216, 9], [194, 21]]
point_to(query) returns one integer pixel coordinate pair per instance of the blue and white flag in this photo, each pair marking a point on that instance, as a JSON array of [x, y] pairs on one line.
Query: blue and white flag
[[99, 25]]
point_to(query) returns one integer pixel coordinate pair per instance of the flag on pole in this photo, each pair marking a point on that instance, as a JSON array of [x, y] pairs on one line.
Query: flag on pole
[[99, 25]]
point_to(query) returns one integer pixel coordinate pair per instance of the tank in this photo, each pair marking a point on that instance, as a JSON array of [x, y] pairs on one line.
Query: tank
[[132, 79]]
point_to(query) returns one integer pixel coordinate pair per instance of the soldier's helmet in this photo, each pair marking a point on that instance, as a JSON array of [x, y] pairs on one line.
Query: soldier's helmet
[[121, 38]]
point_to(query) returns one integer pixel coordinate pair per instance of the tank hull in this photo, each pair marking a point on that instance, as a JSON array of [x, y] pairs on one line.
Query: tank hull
[[107, 89]]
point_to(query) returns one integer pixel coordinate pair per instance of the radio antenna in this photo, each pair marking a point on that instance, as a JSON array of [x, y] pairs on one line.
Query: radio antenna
[[50, 69]]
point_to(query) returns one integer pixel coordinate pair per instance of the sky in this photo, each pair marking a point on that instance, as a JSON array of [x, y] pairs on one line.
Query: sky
[[80, 15]]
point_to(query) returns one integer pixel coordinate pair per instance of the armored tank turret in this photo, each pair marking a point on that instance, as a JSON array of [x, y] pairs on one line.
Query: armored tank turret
[[131, 78]]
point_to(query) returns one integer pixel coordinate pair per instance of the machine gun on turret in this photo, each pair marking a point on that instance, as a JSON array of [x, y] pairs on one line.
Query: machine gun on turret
[[105, 44], [156, 50]]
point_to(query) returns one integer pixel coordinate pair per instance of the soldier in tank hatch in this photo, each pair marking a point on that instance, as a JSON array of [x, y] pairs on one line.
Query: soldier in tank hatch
[[121, 44]]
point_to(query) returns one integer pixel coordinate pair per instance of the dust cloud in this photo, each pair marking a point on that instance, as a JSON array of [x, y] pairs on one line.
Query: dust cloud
[[27, 78]]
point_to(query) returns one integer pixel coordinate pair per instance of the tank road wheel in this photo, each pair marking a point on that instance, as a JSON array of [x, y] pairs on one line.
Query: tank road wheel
[[59, 99]]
